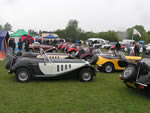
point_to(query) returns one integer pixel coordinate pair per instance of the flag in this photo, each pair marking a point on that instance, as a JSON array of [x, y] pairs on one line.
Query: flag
[[136, 32]]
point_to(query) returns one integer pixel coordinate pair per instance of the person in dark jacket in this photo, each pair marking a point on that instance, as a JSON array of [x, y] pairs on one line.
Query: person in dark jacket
[[118, 46], [27, 45], [136, 49], [10, 44], [20, 44], [14, 46]]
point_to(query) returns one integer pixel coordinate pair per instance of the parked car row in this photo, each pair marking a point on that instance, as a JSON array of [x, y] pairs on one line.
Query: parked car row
[[83, 64]]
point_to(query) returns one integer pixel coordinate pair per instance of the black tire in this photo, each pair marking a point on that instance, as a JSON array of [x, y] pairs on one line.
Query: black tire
[[86, 75], [130, 73], [23, 75], [108, 68]]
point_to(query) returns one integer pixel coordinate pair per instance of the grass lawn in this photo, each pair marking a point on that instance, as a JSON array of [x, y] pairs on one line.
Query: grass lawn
[[106, 94]]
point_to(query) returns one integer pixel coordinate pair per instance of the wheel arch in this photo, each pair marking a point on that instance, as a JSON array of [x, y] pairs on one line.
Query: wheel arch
[[23, 66], [89, 67]]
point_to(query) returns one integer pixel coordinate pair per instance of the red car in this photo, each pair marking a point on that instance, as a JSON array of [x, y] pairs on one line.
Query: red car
[[35, 47], [73, 49], [123, 46], [59, 45], [65, 45]]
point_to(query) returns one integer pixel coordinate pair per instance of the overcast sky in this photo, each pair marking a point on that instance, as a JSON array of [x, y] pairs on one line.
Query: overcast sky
[[92, 15]]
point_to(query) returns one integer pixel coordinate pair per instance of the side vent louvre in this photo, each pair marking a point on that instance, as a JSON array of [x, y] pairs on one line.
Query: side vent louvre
[[69, 65], [57, 68], [61, 67], [66, 67]]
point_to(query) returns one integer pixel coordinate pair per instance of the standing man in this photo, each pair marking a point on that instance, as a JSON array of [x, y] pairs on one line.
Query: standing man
[[128, 45], [20, 44], [136, 49], [10, 44], [27, 45], [118, 46]]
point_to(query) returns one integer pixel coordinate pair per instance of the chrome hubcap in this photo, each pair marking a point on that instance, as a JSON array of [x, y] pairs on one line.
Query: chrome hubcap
[[23, 75], [108, 68], [86, 76], [128, 72]]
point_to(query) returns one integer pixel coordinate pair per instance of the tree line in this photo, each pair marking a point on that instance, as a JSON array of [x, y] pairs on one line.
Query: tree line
[[6, 27], [72, 31]]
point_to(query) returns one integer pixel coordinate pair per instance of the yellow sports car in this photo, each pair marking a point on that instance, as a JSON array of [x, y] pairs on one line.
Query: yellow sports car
[[115, 61]]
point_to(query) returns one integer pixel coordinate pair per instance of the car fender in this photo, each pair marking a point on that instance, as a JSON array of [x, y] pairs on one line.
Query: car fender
[[18, 65], [93, 70]]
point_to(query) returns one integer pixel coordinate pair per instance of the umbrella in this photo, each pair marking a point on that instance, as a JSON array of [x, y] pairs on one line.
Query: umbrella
[[27, 37], [141, 41]]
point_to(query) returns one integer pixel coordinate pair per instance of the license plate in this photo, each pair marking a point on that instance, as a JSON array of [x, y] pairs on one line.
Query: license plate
[[130, 84]]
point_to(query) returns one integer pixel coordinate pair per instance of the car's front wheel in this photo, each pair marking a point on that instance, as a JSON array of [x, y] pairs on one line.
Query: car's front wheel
[[86, 75], [23, 75]]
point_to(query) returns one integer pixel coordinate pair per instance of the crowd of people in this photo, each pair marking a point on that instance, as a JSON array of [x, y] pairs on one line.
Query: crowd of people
[[133, 52], [12, 45]]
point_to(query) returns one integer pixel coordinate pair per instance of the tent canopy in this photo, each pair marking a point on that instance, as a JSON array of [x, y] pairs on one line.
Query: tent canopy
[[52, 36], [19, 33], [4, 34]]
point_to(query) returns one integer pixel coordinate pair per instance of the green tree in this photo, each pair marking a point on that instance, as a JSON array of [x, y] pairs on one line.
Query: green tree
[[7, 27], [32, 32], [72, 31]]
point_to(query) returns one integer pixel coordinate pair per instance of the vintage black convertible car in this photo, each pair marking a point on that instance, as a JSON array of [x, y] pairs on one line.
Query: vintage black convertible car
[[25, 68], [138, 75]]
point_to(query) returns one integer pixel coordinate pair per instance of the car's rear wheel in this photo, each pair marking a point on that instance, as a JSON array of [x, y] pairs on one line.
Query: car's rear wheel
[[108, 68], [85, 75], [23, 75]]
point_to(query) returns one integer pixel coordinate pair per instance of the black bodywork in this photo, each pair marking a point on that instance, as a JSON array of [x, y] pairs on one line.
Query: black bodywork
[[138, 75]]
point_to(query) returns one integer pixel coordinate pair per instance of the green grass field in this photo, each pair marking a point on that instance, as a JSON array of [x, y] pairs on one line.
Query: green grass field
[[106, 94]]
